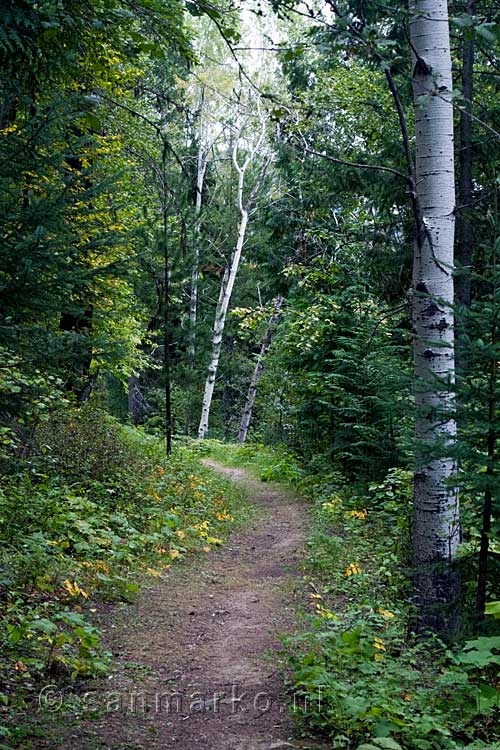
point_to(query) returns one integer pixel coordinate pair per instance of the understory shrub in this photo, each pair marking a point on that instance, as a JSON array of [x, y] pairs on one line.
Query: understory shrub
[[379, 686], [360, 679], [95, 509]]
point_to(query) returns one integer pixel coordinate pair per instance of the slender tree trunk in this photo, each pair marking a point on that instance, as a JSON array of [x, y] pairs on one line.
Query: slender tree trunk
[[219, 323], [134, 399], [195, 270], [79, 380], [166, 309], [201, 168], [464, 226], [257, 373], [435, 522], [482, 576], [230, 274]]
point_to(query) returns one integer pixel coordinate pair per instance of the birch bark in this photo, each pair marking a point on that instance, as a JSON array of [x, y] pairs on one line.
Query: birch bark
[[435, 522], [227, 285], [257, 373]]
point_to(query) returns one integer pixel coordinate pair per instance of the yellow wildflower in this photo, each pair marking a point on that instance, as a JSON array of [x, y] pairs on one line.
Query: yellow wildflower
[[202, 529], [386, 614], [327, 614], [223, 516], [174, 554], [214, 540], [352, 569], [74, 589], [153, 572], [360, 514], [378, 643], [315, 596], [181, 534]]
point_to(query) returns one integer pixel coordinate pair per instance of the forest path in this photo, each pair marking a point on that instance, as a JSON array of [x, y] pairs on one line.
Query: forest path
[[211, 628]]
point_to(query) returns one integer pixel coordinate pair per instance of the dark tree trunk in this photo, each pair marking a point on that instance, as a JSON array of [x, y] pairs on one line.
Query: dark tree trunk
[[482, 576], [465, 161], [79, 380]]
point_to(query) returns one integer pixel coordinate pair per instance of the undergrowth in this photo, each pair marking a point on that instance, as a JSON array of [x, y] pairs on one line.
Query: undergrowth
[[95, 510], [359, 678]]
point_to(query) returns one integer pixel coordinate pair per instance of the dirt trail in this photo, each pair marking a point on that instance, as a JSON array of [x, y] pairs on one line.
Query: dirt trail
[[209, 630]]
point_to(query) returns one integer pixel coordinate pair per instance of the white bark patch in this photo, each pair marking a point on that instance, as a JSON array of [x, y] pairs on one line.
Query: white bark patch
[[246, 417], [227, 285], [435, 526]]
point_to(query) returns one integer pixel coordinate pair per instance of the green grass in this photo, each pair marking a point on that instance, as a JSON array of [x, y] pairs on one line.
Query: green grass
[[265, 463]]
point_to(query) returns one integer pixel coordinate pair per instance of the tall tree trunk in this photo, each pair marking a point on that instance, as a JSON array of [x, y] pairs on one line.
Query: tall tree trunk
[[227, 285], [219, 323], [491, 452], [257, 373], [166, 308], [436, 521], [201, 168], [79, 380], [482, 576], [134, 399], [464, 226]]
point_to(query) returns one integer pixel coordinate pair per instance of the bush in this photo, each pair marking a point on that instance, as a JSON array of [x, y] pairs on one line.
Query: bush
[[98, 505], [378, 685]]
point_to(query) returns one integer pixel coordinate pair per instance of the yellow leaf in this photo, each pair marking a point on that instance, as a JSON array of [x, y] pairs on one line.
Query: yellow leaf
[[352, 569], [153, 572], [70, 587], [386, 614], [214, 540], [174, 554]]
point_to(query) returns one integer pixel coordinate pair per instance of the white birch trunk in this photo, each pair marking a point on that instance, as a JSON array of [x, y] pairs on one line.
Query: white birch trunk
[[435, 523], [219, 323], [257, 373], [230, 276]]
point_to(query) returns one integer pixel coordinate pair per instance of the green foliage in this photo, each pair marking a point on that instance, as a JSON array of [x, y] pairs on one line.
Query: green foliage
[[271, 465], [345, 383], [357, 677], [90, 519]]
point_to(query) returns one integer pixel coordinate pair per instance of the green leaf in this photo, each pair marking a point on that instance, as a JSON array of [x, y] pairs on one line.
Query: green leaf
[[387, 743], [46, 626], [493, 608]]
